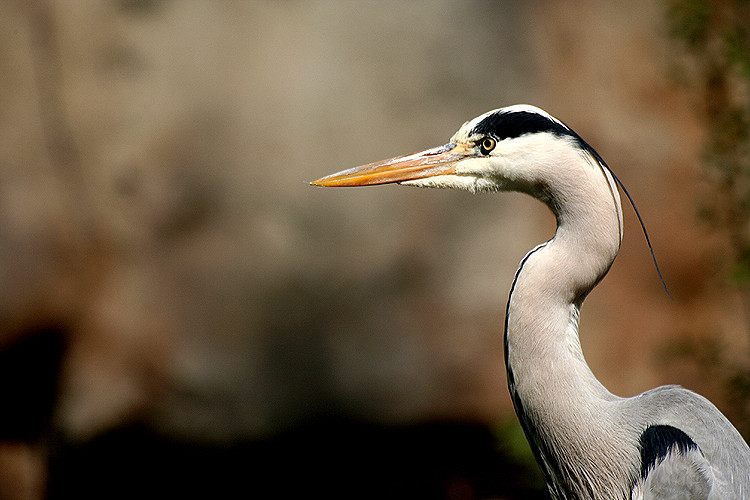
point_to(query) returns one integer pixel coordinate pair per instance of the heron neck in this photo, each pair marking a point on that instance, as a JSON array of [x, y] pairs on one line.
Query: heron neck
[[543, 350], [556, 396], [553, 279]]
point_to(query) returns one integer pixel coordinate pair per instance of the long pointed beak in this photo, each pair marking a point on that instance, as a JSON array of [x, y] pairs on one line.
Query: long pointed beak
[[429, 163]]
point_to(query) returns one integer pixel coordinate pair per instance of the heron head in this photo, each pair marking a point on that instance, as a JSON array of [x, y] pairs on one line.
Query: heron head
[[497, 150]]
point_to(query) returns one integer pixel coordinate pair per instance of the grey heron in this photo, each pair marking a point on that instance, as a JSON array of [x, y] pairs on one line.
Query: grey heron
[[667, 442]]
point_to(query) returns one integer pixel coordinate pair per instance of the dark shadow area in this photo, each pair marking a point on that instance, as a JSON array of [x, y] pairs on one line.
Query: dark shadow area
[[29, 377], [330, 458]]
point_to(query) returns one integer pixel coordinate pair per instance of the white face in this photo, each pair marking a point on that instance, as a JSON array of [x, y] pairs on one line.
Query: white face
[[510, 164]]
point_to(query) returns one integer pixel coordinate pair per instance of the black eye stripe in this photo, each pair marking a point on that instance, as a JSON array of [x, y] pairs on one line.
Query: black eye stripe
[[511, 124]]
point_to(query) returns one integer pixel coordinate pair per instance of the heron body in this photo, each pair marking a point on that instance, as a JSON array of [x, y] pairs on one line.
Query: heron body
[[666, 443]]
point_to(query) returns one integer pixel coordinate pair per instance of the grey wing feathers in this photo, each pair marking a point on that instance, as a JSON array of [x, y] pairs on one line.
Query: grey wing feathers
[[693, 451]]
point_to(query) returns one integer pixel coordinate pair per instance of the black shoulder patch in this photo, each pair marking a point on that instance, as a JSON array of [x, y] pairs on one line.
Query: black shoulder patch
[[658, 440], [509, 124]]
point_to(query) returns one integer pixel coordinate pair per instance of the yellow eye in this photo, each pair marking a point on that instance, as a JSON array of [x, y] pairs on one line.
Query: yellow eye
[[487, 145]]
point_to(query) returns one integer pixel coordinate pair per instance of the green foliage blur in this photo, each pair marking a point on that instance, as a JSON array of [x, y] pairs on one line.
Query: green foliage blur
[[714, 38]]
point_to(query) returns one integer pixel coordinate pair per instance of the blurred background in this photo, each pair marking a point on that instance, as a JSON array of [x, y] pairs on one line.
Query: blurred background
[[181, 313]]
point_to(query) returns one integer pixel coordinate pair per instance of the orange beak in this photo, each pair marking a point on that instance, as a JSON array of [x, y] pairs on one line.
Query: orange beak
[[429, 163]]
